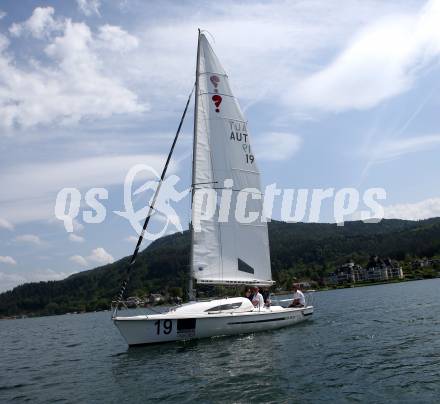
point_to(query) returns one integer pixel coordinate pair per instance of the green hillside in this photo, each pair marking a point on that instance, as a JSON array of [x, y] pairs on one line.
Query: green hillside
[[302, 250]]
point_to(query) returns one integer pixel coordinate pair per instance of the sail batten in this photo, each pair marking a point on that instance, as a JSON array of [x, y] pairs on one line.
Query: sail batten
[[225, 252]]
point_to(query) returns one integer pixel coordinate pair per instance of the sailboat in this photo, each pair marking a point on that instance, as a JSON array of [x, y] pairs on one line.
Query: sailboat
[[223, 252]]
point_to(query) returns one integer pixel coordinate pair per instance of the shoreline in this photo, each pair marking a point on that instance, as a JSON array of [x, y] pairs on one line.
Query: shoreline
[[279, 293], [355, 285]]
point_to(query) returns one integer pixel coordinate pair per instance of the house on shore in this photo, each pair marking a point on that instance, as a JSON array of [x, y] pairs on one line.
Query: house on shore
[[376, 270], [156, 298], [425, 262]]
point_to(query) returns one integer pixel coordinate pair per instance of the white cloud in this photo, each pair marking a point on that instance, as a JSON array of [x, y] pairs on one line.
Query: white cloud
[[75, 238], [278, 43], [4, 43], [116, 39], [131, 239], [97, 256], [100, 256], [6, 224], [77, 226], [79, 259], [7, 260], [9, 281], [380, 62], [47, 275], [414, 211], [2, 14], [89, 7], [40, 24], [74, 84], [18, 211], [41, 182], [84, 78], [275, 146], [29, 238], [394, 148]]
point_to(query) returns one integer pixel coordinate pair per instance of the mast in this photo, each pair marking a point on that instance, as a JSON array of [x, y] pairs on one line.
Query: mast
[[191, 294]]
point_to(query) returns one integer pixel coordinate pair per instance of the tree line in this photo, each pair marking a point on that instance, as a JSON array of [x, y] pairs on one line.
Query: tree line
[[306, 251]]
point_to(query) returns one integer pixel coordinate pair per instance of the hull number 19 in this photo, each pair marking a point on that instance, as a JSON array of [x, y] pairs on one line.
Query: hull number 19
[[165, 328]]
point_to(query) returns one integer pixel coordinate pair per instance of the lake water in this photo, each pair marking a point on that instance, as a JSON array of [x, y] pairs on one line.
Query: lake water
[[371, 344]]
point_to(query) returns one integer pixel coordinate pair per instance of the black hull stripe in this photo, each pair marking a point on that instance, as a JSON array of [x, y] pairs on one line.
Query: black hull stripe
[[143, 344], [258, 321]]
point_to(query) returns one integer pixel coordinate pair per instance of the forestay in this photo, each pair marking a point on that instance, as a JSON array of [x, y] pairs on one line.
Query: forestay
[[225, 251]]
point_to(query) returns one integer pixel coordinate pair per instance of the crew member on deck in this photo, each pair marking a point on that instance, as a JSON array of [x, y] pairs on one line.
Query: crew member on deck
[[266, 296], [298, 297], [257, 299], [248, 294]]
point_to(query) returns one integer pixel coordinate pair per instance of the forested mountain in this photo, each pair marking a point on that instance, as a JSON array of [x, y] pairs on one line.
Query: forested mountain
[[302, 250]]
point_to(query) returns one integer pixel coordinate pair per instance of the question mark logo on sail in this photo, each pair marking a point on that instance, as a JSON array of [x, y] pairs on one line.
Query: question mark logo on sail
[[217, 101]]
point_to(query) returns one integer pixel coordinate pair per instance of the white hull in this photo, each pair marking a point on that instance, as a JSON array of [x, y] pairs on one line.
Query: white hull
[[176, 325]]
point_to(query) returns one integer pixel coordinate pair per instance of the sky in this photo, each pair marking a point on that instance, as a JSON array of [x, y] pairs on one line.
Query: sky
[[337, 94]]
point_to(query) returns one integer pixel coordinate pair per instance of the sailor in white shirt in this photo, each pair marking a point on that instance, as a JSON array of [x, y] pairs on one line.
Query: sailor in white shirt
[[257, 299], [298, 297]]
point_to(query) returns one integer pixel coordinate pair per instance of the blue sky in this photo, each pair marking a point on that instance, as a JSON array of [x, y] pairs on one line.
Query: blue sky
[[337, 94]]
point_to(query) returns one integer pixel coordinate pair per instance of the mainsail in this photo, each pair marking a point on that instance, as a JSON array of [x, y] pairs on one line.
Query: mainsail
[[225, 251]]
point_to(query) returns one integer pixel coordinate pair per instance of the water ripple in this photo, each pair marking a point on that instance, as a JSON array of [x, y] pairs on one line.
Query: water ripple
[[374, 344]]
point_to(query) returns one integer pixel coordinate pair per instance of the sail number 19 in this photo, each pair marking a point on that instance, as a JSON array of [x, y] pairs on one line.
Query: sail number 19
[[166, 328], [249, 158]]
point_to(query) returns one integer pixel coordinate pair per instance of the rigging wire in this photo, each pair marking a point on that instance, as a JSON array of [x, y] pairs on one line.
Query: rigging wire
[[151, 209]]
